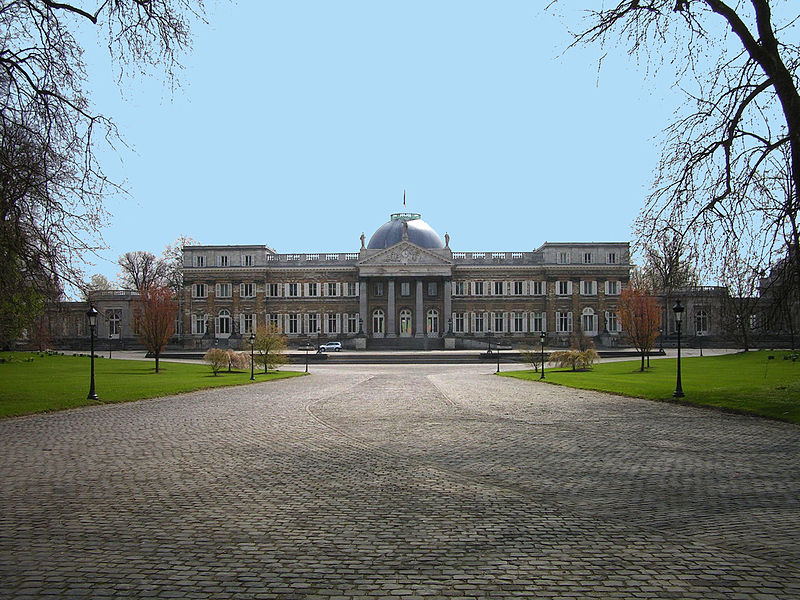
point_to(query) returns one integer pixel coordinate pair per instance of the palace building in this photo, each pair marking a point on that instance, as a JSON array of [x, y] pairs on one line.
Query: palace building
[[404, 288]]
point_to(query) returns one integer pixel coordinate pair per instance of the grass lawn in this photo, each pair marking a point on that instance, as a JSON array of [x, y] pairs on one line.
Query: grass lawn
[[54, 382], [745, 382]]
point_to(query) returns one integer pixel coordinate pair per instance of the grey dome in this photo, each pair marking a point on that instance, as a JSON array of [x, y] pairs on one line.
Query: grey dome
[[419, 233]]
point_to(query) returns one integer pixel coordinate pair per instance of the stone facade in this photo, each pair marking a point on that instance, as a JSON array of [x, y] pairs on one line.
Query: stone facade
[[413, 293]]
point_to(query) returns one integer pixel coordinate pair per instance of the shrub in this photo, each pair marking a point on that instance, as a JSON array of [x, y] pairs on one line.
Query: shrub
[[217, 359], [574, 358], [237, 360], [532, 356]]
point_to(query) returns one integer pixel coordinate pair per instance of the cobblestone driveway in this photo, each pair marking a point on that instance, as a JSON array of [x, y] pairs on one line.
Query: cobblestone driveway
[[398, 482]]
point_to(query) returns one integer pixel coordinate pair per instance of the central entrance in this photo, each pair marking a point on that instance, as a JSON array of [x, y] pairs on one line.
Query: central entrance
[[405, 323]]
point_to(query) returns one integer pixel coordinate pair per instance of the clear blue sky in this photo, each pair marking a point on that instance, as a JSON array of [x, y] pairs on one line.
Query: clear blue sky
[[299, 125]]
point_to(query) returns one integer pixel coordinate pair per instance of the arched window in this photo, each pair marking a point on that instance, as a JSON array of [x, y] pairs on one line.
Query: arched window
[[378, 319], [588, 321], [405, 322], [224, 322], [433, 321]]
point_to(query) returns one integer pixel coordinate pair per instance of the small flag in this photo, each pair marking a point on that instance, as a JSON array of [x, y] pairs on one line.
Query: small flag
[[404, 197]]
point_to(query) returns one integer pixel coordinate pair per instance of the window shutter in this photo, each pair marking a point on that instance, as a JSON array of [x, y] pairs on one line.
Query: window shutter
[[569, 322], [241, 323], [524, 322], [505, 322], [339, 290], [569, 288], [338, 321]]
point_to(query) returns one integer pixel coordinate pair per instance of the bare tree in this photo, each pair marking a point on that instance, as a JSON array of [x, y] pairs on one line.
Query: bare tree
[[740, 130], [141, 270], [155, 312], [51, 183], [172, 259]]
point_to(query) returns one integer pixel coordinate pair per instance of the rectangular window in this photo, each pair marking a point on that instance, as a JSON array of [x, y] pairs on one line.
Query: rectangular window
[[519, 321], [518, 288], [458, 322], [612, 288], [248, 323], [611, 258], [478, 287], [612, 321], [247, 290], [248, 260], [313, 323], [588, 288], [563, 288], [222, 261], [459, 288], [498, 322], [291, 290], [564, 322], [198, 324], [352, 323], [351, 288], [273, 290], [405, 288], [223, 290], [537, 322], [479, 325], [199, 290], [538, 288], [587, 258], [313, 289], [293, 323], [498, 288], [563, 258], [332, 328], [332, 289], [199, 261], [431, 288], [275, 322], [378, 288]]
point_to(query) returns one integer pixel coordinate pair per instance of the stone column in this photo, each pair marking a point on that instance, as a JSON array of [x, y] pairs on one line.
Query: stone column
[[419, 330], [448, 304], [391, 330], [362, 303]]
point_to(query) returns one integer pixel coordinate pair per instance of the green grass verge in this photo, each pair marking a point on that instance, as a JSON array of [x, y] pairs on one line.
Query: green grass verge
[[745, 382], [55, 382]]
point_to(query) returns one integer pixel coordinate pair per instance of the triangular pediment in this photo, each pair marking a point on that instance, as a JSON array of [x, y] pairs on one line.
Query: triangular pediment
[[405, 253]]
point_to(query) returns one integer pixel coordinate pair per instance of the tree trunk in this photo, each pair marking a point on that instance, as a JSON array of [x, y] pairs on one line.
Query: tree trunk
[[642, 368], [157, 355]]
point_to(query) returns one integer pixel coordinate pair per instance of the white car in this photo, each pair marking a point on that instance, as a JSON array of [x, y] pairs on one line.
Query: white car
[[331, 347]]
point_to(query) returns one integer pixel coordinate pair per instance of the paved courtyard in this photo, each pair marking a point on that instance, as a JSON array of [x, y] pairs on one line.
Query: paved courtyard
[[398, 482]]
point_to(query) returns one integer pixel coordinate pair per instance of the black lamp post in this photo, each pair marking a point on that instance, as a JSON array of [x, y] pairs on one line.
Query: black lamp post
[[498, 358], [661, 340], [252, 356], [91, 314], [700, 341], [542, 339], [109, 343], [678, 310], [308, 347]]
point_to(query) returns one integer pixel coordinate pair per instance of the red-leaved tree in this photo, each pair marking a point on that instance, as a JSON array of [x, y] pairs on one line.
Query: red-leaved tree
[[154, 317], [640, 316]]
